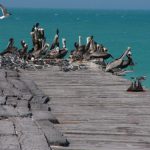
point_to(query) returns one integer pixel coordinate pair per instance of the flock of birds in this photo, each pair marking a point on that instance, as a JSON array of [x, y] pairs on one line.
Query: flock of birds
[[90, 51]]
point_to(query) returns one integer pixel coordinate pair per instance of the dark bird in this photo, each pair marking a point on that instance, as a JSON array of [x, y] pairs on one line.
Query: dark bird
[[4, 12], [136, 85]]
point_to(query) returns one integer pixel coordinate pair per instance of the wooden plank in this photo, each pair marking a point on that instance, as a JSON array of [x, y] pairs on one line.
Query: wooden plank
[[95, 111], [9, 143]]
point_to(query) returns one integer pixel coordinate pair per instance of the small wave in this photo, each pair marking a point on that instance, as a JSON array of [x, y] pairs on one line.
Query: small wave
[[78, 18], [17, 18], [56, 14]]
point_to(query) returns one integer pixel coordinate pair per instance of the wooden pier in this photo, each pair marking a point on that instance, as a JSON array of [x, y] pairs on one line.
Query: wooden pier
[[94, 110]]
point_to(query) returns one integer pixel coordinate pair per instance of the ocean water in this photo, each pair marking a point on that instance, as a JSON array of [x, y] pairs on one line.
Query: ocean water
[[115, 29]]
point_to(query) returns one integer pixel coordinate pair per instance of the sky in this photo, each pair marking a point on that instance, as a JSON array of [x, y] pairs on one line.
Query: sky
[[86, 4]]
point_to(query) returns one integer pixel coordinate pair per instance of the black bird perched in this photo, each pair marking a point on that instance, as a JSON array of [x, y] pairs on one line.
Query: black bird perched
[[136, 85], [4, 12]]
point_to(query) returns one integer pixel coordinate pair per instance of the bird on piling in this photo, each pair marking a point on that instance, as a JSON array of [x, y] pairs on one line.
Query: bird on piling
[[5, 13]]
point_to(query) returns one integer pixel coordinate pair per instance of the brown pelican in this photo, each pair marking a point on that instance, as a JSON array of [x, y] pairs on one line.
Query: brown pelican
[[80, 46], [80, 49], [101, 55], [35, 37], [23, 51], [55, 41], [125, 63], [57, 52], [116, 63], [101, 52], [4, 12], [128, 62], [76, 45], [88, 48], [73, 54], [87, 43], [93, 45], [39, 53], [64, 50], [10, 47]]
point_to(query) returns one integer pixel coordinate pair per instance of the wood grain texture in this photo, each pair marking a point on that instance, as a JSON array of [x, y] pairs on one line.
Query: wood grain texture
[[95, 111]]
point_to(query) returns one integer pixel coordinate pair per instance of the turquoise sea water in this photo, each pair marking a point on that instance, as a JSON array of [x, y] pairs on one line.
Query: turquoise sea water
[[115, 29]]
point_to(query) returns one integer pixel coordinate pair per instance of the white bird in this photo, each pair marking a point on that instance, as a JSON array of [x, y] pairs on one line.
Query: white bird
[[4, 12]]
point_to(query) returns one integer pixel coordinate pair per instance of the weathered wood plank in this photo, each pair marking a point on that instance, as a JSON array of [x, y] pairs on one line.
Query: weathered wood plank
[[22, 105], [53, 136], [9, 143], [6, 127], [44, 115], [95, 111], [30, 135]]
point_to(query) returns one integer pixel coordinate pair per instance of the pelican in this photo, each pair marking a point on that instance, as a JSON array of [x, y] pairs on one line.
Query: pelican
[[128, 62], [77, 53], [23, 51], [80, 46], [64, 43], [116, 63], [64, 50], [88, 47], [57, 52], [10, 47], [74, 51], [101, 52], [56, 40], [93, 45], [87, 43], [4, 12]]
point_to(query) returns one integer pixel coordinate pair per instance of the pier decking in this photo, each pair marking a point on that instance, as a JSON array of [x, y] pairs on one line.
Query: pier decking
[[95, 111]]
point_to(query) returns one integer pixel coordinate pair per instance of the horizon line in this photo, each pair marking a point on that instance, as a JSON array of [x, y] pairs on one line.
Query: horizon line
[[67, 8]]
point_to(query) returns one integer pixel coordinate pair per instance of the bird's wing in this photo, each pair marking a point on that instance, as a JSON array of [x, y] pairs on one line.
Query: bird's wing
[[2, 17], [4, 10], [113, 65]]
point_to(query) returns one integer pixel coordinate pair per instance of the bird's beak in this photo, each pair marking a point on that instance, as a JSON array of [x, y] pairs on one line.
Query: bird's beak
[[132, 63], [111, 56]]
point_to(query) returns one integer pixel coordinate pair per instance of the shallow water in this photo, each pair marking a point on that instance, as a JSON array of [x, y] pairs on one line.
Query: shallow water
[[113, 28]]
